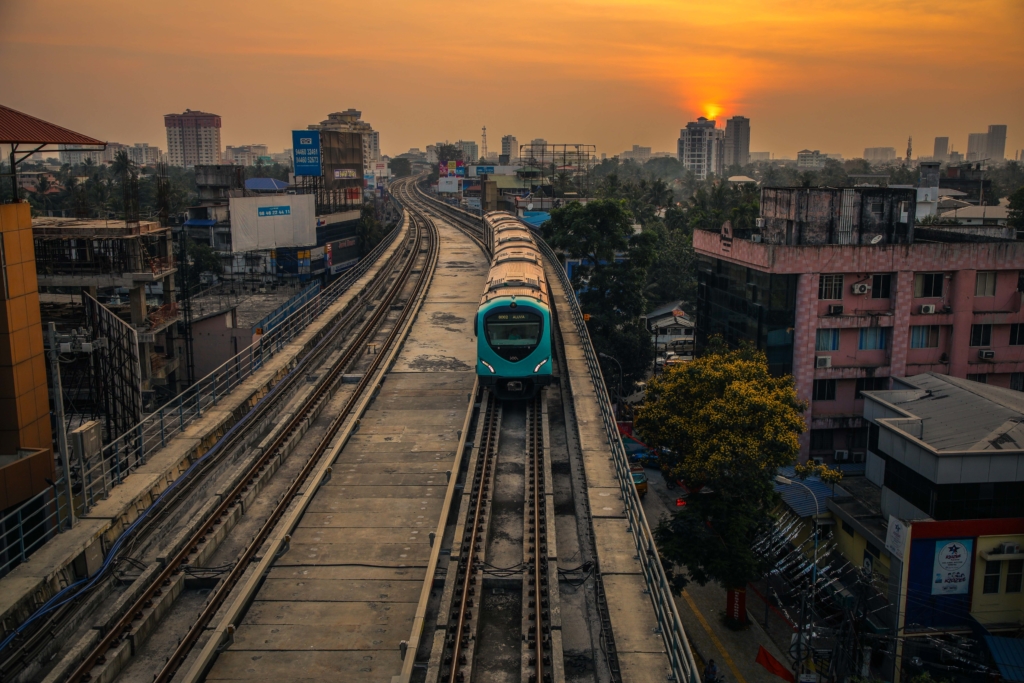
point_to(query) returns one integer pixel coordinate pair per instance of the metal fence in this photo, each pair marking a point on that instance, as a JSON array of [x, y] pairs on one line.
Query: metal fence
[[679, 653], [25, 528]]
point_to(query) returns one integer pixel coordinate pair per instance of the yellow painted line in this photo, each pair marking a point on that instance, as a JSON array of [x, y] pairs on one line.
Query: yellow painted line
[[714, 638]]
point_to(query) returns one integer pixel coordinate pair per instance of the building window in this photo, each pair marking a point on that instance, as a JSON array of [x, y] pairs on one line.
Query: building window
[[821, 439], [992, 570], [848, 528], [924, 336], [881, 286], [1017, 334], [827, 340], [871, 384], [980, 378], [872, 550], [873, 338], [985, 284], [981, 335], [824, 390], [1017, 381], [830, 287], [928, 285], [1014, 575]]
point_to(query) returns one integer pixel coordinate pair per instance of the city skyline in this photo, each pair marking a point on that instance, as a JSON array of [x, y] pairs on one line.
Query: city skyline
[[800, 73]]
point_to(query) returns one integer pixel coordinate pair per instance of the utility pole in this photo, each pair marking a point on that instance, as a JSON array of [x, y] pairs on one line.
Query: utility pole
[[58, 407]]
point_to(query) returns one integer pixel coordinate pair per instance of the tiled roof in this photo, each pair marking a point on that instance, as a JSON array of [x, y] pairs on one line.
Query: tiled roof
[[18, 128]]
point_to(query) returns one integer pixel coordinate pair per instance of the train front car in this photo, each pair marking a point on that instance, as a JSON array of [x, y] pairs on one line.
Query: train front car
[[513, 323]]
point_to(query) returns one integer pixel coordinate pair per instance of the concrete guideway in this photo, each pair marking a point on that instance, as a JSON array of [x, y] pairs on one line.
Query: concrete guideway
[[50, 568], [638, 643], [345, 595]]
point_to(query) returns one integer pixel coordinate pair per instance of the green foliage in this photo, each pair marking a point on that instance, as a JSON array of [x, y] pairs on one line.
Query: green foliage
[[729, 425], [199, 258], [448, 152], [1007, 180], [1015, 215], [611, 292], [401, 168], [370, 230]]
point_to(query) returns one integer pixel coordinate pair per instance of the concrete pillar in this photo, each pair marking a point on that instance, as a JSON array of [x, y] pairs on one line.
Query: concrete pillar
[[137, 297], [803, 349], [959, 294], [901, 323]]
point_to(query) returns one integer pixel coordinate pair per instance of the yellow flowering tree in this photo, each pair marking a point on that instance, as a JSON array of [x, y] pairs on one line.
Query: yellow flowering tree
[[727, 425]]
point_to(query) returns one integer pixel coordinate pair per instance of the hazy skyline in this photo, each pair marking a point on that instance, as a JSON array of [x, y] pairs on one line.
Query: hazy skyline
[[614, 73]]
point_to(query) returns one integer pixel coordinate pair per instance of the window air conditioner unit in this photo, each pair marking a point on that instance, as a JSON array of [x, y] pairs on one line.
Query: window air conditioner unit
[[858, 456], [842, 456], [861, 288], [823, 362], [835, 309], [1007, 548], [928, 309], [756, 237], [986, 354], [759, 222], [818, 461]]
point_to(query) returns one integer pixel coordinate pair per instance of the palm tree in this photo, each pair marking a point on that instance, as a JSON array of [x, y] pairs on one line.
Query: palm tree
[[43, 186]]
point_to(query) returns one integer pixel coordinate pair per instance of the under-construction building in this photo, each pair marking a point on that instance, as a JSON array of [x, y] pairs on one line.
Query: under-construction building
[[115, 281]]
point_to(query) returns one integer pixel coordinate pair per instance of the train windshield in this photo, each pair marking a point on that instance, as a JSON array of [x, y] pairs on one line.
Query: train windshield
[[513, 335]]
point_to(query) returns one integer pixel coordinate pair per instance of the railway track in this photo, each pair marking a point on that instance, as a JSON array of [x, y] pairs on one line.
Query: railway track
[[160, 585]]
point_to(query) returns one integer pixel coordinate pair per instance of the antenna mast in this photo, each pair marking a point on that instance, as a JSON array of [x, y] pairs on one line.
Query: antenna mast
[[483, 146]]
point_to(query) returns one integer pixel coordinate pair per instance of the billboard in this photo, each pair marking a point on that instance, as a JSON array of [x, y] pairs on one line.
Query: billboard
[[345, 174], [306, 152], [448, 185], [951, 568], [271, 222], [451, 169]]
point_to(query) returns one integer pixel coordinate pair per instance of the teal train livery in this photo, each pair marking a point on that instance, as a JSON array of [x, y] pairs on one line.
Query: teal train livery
[[513, 323]]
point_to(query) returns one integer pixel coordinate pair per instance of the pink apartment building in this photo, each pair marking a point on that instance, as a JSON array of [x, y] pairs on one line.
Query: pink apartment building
[[839, 288]]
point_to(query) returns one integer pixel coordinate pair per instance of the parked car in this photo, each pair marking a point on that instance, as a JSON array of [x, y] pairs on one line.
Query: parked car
[[639, 479]]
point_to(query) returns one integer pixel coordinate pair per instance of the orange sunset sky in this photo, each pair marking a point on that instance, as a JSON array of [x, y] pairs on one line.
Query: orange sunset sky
[[835, 75]]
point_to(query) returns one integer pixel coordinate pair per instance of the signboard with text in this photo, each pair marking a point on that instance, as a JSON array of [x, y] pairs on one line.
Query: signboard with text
[[345, 174], [306, 152], [951, 571]]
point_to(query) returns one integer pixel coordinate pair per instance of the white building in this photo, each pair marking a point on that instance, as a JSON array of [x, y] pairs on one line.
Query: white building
[[244, 155], [701, 148], [193, 138], [638, 154], [510, 147], [879, 155]]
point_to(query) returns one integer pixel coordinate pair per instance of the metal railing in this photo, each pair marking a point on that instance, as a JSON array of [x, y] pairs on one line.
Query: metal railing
[[671, 626], [31, 524], [24, 529]]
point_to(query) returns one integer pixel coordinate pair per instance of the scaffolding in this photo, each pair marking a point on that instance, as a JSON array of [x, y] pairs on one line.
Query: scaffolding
[[117, 371], [566, 164]]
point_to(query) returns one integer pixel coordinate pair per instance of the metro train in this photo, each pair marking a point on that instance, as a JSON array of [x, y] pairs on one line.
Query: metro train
[[513, 322]]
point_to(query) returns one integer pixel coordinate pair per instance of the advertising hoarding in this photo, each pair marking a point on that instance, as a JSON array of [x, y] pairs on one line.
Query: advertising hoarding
[[951, 570], [271, 222], [345, 174], [448, 185], [450, 169], [306, 152]]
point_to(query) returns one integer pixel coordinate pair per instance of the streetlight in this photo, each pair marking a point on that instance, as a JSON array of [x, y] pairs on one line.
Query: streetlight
[[618, 393], [814, 572]]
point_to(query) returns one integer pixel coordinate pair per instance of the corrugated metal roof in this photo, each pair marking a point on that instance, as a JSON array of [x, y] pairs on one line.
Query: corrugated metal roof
[[1009, 656], [19, 128], [265, 185], [797, 497]]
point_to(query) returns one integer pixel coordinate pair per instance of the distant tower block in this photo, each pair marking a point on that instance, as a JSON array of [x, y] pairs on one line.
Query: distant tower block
[[483, 144], [910, 147]]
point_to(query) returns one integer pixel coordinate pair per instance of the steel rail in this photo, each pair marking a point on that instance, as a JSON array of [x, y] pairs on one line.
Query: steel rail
[[241, 566], [467, 560], [535, 447], [122, 626]]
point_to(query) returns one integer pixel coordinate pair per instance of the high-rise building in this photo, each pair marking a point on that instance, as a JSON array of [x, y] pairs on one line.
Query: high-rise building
[[995, 143], [638, 154], [510, 147], [977, 146], [350, 121], [470, 151], [142, 154], [756, 157], [941, 149], [244, 155], [737, 141], [879, 155], [701, 148], [193, 138], [806, 158]]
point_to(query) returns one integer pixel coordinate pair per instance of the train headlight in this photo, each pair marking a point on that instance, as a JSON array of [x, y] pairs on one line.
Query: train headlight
[[489, 365], [541, 364]]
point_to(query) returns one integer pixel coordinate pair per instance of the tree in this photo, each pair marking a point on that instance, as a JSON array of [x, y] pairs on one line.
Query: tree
[[728, 426], [370, 231], [1015, 215], [401, 168], [611, 279]]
